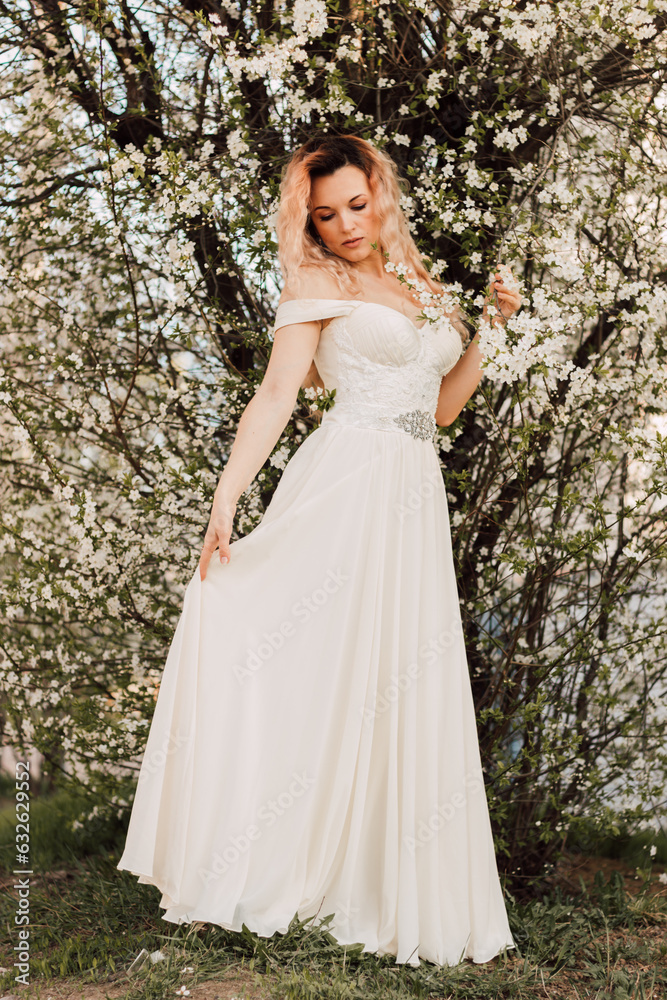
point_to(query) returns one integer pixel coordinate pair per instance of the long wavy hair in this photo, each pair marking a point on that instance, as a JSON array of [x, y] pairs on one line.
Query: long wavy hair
[[299, 244]]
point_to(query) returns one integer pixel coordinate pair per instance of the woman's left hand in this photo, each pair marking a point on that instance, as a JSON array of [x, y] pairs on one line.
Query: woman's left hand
[[509, 298]]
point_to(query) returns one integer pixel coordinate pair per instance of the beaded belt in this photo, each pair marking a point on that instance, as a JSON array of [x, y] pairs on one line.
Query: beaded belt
[[419, 424]]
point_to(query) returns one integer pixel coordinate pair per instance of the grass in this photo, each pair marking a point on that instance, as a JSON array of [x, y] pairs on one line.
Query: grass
[[606, 938]]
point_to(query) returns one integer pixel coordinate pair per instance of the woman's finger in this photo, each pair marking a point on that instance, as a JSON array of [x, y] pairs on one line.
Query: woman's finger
[[210, 543]]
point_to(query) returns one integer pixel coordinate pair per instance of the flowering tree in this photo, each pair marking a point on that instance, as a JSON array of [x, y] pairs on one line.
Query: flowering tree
[[142, 148]]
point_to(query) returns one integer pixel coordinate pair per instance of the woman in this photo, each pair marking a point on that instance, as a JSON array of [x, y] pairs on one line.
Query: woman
[[313, 750]]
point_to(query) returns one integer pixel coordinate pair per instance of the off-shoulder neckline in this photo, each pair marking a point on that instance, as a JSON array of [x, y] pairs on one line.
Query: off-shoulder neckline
[[360, 302]]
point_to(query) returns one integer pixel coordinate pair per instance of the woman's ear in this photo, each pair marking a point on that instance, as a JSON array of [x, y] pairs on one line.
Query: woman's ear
[[312, 231]]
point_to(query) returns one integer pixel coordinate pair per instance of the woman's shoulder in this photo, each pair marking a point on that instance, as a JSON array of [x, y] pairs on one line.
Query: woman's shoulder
[[310, 296], [310, 282]]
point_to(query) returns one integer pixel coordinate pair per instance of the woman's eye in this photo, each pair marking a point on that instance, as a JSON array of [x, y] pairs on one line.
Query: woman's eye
[[325, 218], [357, 208]]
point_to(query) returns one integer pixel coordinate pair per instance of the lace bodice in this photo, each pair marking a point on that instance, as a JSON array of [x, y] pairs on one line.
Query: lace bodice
[[386, 370]]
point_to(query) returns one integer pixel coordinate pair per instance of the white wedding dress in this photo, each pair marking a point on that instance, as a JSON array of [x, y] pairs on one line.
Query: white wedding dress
[[313, 749]]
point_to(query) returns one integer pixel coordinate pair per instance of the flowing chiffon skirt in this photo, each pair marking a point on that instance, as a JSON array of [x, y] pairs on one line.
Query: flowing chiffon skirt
[[314, 748]]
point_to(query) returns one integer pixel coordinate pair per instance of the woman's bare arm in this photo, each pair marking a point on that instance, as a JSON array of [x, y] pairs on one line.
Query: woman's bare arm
[[260, 426], [458, 385]]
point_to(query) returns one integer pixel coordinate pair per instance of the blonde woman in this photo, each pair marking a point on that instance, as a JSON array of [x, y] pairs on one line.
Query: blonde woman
[[313, 750]]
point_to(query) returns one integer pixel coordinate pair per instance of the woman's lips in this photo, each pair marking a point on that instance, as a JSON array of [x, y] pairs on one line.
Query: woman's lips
[[352, 243]]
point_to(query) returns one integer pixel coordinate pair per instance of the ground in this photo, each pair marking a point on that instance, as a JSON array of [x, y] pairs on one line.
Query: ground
[[633, 943]]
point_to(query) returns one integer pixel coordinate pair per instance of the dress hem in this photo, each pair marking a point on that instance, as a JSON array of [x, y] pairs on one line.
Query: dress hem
[[193, 917]]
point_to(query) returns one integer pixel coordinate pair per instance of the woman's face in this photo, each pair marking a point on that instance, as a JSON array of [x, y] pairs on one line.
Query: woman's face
[[342, 208]]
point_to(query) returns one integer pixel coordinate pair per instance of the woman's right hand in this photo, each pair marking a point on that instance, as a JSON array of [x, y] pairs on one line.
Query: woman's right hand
[[218, 533]]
